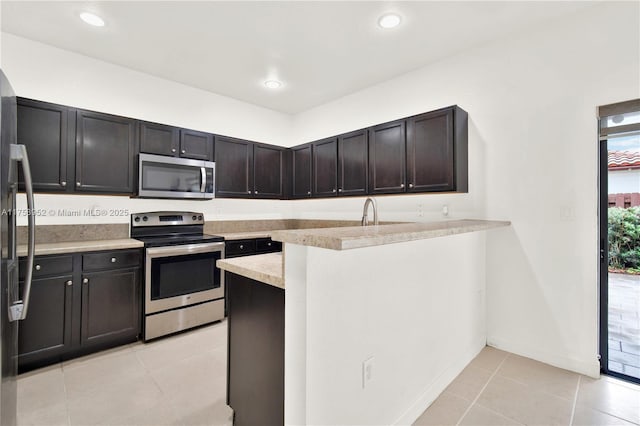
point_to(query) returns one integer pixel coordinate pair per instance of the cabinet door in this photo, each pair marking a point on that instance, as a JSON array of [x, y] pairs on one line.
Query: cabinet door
[[110, 306], [234, 168], [387, 158], [353, 163], [45, 129], [45, 334], [196, 145], [430, 164], [301, 171], [325, 168], [159, 139], [105, 152], [267, 171]]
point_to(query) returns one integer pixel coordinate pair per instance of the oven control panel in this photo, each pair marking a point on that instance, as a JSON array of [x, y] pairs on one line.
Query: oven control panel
[[166, 219]]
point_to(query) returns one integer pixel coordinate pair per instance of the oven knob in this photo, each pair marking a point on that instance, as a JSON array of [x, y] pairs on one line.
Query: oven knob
[[137, 219], [200, 217], [194, 217], [144, 218]]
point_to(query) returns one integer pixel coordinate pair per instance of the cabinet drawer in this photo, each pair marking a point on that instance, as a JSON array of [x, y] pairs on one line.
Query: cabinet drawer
[[46, 266], [266, 245], [111, 260], [239, 248]]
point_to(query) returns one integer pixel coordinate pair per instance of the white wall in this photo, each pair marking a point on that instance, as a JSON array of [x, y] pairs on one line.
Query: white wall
[[532, 104], [46, 73], [624, 181], [417, 308]]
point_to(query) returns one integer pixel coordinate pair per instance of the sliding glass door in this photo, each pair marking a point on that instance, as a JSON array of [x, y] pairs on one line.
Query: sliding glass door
[[620, 240]]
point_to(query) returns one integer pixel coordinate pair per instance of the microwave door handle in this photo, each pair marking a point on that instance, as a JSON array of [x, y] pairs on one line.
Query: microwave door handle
[[18, 308], [203, 179]]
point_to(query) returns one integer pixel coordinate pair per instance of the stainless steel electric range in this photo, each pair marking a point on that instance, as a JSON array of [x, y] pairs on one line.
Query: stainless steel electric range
[[183, 286]]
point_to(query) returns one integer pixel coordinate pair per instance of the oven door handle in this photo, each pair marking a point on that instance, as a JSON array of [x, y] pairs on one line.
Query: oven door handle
[[185, 249]]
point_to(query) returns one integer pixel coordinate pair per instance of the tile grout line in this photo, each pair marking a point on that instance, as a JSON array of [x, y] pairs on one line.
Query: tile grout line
[[66, 396], [575, 400], [481, 390]]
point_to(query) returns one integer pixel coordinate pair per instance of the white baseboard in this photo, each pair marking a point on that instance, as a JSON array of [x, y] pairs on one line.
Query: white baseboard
[[435, 388], [589, 368]]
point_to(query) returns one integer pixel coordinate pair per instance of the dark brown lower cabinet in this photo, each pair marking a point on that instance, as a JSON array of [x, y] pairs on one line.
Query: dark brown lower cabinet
[[73, 311], [110, 306], [255, 366], [45, 335]]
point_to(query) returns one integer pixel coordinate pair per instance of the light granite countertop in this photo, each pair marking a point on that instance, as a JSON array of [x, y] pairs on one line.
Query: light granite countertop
[[367, 236], [266, 268], [80, 246], [229, 236]]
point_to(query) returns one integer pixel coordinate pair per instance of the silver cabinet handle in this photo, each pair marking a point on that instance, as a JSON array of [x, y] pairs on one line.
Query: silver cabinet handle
[[255, 192], [38, 267], [173, 150], [402, 185], [410, 185], [339, 189], [78, 183], [183, 151], [203, 179], [85, 281], [69, 283], [334, 190], [308, 192], [248, 192], [269, 244], [18, 308], [114, 260], [241, 246], [63, 183]]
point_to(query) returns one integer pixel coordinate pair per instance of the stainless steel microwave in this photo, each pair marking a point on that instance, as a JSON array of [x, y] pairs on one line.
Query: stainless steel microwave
[[170, 177]]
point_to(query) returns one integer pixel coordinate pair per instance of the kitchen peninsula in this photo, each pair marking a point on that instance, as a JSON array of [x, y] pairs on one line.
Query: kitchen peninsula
[[381, 316]]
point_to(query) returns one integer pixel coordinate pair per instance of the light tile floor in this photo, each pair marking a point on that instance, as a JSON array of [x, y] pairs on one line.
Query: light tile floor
[[179, 380], [498, 388]]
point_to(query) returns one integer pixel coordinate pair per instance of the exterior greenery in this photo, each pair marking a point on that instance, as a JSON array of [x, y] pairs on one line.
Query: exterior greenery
[[624, 238]]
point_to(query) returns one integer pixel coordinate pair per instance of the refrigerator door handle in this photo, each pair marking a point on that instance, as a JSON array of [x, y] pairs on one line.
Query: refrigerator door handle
[[18, 308]]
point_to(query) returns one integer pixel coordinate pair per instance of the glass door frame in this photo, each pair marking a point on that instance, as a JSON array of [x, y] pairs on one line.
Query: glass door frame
[[603, 239]]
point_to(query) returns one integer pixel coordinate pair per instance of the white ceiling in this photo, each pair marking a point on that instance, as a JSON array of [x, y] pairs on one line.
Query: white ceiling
[[320, 50]]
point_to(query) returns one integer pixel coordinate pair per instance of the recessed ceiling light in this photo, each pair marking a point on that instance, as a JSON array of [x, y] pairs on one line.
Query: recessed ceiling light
[[92, 19], [389, 20], [272, 84]]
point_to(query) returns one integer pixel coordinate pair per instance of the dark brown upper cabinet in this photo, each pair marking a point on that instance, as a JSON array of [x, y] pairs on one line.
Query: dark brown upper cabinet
[[159, 139], [353, 165], [387, 158], [248, 170], [167, 140], [325, 168], [196, 145], [48, 131], [436, 152], [301, 171], [234, 167], [105, 153], [430, 152], [268, 162]]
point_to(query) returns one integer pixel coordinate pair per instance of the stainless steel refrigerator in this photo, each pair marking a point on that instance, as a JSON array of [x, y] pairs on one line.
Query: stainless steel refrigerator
[[14, 299]]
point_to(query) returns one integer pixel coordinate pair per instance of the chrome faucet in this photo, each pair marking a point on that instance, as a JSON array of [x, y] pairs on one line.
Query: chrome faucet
[[365, 219]]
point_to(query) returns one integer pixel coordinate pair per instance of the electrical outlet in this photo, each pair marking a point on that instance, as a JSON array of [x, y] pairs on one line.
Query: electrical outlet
[[367, 371], [420, 210], [445, 210]]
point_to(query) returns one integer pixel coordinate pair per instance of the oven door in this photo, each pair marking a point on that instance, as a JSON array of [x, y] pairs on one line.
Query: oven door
[[182, 275]]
